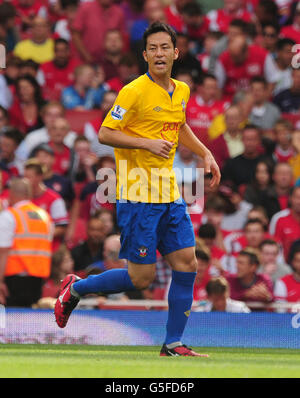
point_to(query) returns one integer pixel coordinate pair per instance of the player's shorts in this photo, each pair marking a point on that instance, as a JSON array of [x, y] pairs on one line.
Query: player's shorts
[[148, 227]]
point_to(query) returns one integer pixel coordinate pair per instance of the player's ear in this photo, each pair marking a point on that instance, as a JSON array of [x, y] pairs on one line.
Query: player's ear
[[145, 56], [176, 53]]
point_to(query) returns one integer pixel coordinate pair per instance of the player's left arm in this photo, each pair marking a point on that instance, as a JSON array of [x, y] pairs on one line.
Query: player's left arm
[[190, 141]]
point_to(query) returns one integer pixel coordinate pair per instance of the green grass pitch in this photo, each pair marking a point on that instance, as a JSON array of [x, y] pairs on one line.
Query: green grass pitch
[[76, 361]]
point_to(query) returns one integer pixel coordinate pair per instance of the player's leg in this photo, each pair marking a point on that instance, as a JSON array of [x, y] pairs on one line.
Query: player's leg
[[178, 248], [138, 246]]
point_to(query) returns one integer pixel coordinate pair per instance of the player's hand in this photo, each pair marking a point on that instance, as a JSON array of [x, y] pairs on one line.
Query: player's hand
[[210, 166], [160, 147]]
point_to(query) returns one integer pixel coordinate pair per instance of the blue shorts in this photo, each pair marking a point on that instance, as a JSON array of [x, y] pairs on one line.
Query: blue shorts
[[146, 227]]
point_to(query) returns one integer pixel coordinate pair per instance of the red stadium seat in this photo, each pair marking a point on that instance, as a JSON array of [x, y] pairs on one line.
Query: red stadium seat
[[292, 117], [77, 119]]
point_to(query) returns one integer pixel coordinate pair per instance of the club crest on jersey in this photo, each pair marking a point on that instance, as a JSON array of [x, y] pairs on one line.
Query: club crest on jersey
[[143, 251], [118, 112], [183, 104]]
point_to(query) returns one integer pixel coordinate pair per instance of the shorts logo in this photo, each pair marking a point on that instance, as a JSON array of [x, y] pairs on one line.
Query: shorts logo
[[143, 251], [118, 112], [187, 313]]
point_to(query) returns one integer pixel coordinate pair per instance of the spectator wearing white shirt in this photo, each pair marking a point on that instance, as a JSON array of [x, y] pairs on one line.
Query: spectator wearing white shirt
[[50, 112], [218, 299]]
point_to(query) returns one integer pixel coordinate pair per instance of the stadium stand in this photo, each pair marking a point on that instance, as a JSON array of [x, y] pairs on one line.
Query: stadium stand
[[243, 70]]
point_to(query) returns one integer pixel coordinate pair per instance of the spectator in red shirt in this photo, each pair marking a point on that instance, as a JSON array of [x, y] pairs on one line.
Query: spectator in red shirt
[[195, 22], [285, 225], [247, 284], [26, 11], [220, 19], [47, 199], [24, 113], [174, 14], [287, 289], [240, 62], [254, 234], [113, 51], [127, 71], [92, 21], [229, 144], [293, 31], [57, 74], [57, 134], [204, 106], [284, 149]]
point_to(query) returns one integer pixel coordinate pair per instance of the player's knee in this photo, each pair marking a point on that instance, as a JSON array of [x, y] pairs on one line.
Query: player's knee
[[191, 265], [143, 281]]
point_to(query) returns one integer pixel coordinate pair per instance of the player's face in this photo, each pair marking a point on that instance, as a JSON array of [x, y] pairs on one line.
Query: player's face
[[160, 54]]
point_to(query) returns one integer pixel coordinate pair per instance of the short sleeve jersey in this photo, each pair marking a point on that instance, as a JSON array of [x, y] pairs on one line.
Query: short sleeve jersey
[[144, 109]]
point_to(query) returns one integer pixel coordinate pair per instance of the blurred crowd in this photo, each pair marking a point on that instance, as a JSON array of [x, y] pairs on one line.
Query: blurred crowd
[[66, 61]]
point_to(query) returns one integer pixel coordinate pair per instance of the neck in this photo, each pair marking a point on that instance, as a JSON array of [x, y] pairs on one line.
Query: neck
[[282, 191], [114, 58], [163, 81], [250, 155], [79, 88], [295, 215], [233, 133], [248, 279], [39, 41], [296, 276], [38, 190]]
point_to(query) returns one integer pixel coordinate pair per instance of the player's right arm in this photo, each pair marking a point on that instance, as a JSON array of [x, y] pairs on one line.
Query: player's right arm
[[117, 139]]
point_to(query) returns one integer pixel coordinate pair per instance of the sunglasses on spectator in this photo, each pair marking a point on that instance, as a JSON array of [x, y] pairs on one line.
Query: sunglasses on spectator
[[272, 35]]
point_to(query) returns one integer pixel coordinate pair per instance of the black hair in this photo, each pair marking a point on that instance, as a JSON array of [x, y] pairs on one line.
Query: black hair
[[240, 23], [13, 134], [60, 40], [271, 242], [202, 255], [207, 76], [273, 24], [252, 257], [192, 9], [254, 221], [258, 79], [157, 27], [284, 42], [207, 231], [37, 89], [7, 11]]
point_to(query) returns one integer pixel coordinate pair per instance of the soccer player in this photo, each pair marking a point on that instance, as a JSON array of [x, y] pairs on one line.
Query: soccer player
[[145, 125]]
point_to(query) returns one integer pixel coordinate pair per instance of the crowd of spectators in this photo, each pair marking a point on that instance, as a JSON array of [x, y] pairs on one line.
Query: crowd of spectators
[[66, 61]]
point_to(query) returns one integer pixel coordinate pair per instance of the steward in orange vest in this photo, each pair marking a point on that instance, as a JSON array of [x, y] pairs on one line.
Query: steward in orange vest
[[31, 250], [26, 234]]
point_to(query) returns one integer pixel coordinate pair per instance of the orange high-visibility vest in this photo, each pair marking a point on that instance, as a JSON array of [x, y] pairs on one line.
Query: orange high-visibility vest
[[32, 246]]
